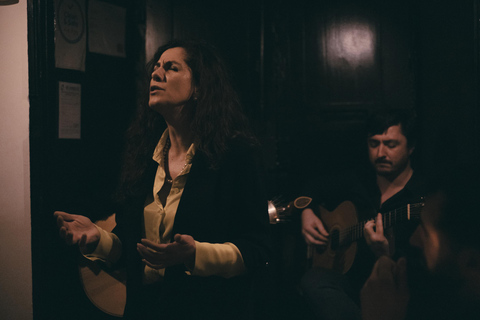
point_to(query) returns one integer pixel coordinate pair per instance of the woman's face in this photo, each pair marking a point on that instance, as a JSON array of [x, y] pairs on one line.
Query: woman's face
[[171, 82]]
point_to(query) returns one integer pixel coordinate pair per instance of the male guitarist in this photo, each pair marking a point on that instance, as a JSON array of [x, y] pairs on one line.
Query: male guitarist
[[390, 138]]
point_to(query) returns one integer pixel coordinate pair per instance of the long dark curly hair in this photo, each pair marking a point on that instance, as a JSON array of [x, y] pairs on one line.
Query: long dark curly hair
[[216, 116]]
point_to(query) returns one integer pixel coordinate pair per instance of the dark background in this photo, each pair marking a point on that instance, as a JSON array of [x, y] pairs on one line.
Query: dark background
[[306, 98]]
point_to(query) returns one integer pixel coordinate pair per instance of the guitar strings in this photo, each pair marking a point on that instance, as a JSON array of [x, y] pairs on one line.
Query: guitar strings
[[355, 232]]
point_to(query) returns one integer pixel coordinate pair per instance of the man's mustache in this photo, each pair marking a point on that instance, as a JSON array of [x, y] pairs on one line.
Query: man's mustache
[[382, 161]]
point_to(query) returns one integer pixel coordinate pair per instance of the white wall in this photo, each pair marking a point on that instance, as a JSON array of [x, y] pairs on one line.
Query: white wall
[[15, 230]]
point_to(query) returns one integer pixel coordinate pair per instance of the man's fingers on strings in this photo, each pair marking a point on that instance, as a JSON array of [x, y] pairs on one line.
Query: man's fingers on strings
[[320, 243], [321, 229], [308, 238], [369, 225], [379, 224], [315, 238], [319, 237]]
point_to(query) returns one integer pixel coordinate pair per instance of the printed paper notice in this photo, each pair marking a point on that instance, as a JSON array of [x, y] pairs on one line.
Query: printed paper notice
[[69, 107], [106, 28], [70, 34]]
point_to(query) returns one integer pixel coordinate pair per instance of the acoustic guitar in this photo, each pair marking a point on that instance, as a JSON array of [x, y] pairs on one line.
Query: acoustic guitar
[[105, 288], [344, 229]]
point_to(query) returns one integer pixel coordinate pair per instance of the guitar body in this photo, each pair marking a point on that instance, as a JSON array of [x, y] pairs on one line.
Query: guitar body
[[344, 229], [337, 256], [106, 289]]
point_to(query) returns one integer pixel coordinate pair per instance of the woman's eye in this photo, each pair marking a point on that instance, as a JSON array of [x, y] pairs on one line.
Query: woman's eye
[[169, 66]]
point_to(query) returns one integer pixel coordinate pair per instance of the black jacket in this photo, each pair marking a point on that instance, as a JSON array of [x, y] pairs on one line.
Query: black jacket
[[226, 204]]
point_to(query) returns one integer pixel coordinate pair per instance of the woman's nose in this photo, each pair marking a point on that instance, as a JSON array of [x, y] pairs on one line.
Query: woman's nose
[[158, 75]]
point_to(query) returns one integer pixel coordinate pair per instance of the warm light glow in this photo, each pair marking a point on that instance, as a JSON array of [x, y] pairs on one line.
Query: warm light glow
[[350, 44]]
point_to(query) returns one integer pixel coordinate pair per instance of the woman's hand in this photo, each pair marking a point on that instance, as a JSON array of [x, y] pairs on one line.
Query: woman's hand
[[158, 256], [375, 239], [77, 229], [313, 230]]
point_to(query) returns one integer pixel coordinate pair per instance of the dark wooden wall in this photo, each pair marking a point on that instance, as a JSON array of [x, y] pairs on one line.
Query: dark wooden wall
[[306, 93], [306, 101], [447, 93]]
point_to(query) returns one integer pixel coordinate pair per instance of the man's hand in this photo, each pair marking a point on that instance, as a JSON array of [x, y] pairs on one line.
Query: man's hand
[[158, 256], [375, 239], [313, 230], [385, 294]]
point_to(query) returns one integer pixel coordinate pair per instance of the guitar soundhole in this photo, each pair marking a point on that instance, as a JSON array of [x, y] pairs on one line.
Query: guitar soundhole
[[334, 239]]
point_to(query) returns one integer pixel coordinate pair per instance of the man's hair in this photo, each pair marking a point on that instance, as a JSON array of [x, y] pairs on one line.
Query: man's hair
[[379, 121]]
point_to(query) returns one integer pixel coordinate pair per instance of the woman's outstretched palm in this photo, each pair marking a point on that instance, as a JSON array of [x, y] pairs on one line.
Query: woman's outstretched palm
[[78, 229]]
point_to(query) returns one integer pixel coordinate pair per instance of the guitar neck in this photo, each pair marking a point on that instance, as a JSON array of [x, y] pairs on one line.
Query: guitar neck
[[389, 219]]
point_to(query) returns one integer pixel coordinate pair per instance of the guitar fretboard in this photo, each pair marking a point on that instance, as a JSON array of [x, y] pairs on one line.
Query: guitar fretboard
[[389, 219]]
